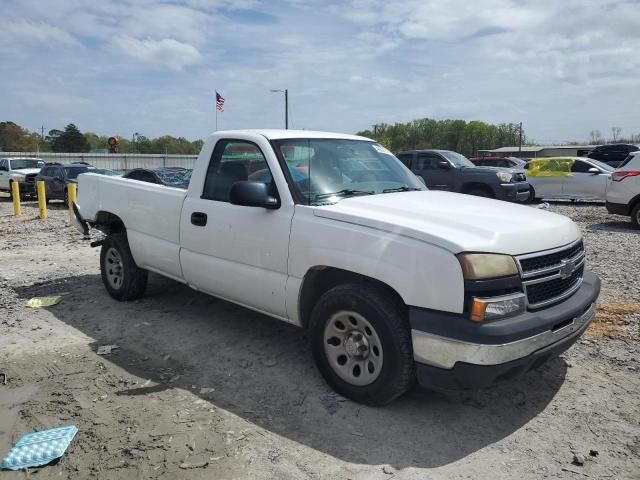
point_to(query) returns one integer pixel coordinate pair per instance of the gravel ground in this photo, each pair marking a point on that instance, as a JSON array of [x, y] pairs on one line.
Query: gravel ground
[[200, 388]]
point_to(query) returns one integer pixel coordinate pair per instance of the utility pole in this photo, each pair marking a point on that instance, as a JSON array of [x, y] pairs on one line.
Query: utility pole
[[520, 145], [375, 130], [286, 107], [42, 134]]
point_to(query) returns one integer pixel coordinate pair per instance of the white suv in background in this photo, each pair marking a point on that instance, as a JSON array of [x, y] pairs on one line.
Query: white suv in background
[[623, 190]]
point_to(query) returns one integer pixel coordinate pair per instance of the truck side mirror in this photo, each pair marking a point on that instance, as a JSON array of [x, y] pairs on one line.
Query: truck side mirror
[[252, 194], [444, 165]]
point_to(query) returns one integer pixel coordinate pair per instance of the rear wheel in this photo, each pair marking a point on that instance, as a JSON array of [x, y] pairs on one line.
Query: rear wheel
[[361, 343], [121, 276], [635, 215]]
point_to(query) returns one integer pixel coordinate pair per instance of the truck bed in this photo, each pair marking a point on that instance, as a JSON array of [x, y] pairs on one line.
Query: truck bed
[[150, 212]]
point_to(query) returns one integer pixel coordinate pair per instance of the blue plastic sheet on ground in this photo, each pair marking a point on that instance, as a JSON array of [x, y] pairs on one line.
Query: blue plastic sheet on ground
[[39, 448]]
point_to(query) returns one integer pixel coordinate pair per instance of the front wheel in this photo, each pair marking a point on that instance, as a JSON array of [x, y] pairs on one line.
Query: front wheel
[[361, 343], [121, 276]]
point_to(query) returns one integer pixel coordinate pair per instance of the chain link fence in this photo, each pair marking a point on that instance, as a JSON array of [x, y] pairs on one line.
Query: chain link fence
[[113, 161]]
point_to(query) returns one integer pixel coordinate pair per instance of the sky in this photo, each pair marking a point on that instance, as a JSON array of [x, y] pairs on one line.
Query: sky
[[115, 67]]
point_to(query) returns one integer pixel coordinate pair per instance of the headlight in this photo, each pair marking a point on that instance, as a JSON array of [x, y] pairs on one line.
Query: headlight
[[481, 266], [497, 307], [504, 176], [17, 177]]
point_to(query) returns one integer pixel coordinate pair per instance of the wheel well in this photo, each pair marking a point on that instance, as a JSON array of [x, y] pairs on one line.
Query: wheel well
[[108, 223], [632, 204], [320, 279], [467, 187]]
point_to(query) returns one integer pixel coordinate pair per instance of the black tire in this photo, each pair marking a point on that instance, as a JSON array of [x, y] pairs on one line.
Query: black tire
[[10, 190], [132, 281], [635, 215], [481, 192], [532, 195], [390, 325]]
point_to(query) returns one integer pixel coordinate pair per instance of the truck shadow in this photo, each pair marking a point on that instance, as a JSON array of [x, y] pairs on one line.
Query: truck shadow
[[261, 370]]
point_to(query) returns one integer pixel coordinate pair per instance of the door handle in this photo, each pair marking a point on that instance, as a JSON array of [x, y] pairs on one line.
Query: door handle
[[199, 219]]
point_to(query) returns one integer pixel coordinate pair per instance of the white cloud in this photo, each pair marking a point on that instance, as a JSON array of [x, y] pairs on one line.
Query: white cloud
[[166, 52], [18, 32]]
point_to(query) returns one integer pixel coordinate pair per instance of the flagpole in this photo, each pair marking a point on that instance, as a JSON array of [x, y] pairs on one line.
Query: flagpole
[[216, 107]]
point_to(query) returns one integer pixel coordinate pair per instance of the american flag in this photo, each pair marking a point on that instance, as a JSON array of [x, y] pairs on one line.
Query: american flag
[[219, 102]]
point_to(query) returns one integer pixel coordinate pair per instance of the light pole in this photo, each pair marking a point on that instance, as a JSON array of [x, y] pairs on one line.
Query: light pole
[[286, 105]]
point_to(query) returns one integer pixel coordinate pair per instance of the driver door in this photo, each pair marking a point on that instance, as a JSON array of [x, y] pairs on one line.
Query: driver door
[[236, 252], [427, 165]]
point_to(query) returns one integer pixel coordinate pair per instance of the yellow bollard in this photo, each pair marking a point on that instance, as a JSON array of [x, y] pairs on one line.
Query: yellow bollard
[[42, 199], [15, 194], [72, 188]]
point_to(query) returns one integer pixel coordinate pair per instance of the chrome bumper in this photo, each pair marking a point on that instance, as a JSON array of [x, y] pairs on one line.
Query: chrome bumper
[[445, 352]]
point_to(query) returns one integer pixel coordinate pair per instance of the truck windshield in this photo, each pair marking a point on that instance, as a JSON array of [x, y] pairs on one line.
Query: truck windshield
[[20, 163], [326, 170], [457, 159]]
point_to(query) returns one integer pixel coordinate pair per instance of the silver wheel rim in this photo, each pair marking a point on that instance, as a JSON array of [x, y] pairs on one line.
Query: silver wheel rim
[[113, 268], [353, 348]]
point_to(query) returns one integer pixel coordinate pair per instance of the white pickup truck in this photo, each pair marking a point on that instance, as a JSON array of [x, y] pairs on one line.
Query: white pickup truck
[[334, 234]]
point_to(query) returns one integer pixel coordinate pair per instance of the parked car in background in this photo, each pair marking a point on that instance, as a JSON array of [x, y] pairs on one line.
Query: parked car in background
[[57, 177], [451, 171], [568, 178], [21, 170], [504, 162], [613, 154], [177, 177], [623, 189]]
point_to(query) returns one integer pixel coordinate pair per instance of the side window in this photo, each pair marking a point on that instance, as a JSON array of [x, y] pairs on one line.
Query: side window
[[406, 159], [3, 165], [427, 162], [233, 161], [580, 167]]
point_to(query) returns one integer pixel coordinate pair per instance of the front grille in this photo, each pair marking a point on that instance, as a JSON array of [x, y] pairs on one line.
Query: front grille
[[519, 177], [544, 291], [545, 261], [30, 178], [551, 277]]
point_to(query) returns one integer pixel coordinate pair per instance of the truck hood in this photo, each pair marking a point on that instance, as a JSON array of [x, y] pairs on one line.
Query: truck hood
[[25, 171], [457, 222]]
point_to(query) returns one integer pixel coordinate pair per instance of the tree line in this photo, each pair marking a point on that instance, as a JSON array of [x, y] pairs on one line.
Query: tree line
[[457, 135], [14, 138]]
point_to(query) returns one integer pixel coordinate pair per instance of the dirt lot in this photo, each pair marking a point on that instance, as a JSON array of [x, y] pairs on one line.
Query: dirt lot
[[202, 389]]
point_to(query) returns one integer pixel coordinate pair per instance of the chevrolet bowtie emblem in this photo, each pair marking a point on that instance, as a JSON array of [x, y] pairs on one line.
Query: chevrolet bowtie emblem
[[566, 268]]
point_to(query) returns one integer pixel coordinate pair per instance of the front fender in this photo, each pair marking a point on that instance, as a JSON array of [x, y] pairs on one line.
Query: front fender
[[424, 275]]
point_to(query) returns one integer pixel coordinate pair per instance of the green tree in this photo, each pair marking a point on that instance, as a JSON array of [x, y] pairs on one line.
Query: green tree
[[70, 141], [14, 138], [457, 135]]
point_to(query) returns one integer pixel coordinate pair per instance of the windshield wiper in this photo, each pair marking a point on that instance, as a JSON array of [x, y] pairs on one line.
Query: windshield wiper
[[404, 188], [343, 193]]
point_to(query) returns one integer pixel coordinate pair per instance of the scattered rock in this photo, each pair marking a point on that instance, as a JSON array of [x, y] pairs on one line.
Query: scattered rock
[[593, 453], [188, 465], [578, 459], [388, 470]]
